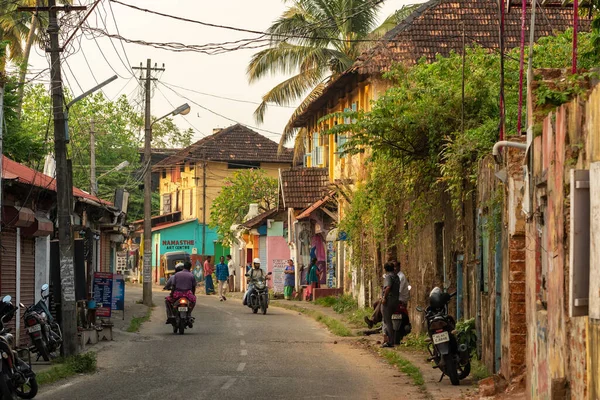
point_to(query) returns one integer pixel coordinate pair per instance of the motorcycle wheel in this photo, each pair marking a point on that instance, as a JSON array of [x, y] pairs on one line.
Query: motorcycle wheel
[[175, 328], [464, 370], [254, 310], [264, 309], [182, 324], [6, 386], [42, 349], [450, 369], [28, 390]]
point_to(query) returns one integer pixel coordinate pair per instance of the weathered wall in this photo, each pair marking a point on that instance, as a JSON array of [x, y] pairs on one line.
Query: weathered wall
[[557, 344]]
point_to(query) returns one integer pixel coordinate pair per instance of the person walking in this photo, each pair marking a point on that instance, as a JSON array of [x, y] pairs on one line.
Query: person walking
[[313, 277], [290, 280], [222, 276], [208, 281], [231, 268], [389, 303]]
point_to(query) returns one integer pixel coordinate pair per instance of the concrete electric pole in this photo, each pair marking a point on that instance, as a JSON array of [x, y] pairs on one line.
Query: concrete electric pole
[[147, 271]]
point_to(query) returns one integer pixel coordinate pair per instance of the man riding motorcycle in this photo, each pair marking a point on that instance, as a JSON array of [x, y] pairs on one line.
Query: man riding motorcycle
[[255, 273], [181, 284]]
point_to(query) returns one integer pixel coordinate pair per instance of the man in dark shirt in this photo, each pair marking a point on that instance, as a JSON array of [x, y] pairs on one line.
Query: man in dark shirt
[[182, 284]]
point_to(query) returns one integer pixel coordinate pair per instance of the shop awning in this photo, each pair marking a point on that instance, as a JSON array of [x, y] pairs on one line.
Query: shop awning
[[317, 204], [20, 217], [42, 226]]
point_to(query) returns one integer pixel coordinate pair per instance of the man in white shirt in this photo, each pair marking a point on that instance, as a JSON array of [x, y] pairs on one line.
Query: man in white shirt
[[404, 293], [231, 279]]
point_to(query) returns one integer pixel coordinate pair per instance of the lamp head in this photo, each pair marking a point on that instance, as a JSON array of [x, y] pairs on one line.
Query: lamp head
[[183, 109]]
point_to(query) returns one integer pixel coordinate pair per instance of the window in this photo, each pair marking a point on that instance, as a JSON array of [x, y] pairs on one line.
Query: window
[[191, 165], [166, 203], [182, 168], [243, 164], [579, 241], [164, 174]]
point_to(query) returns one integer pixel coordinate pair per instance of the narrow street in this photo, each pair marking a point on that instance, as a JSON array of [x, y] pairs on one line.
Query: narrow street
[[233, 354]]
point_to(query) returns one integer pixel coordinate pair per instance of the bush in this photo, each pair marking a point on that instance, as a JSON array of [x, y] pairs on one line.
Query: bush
[[328, 301], [345, 303], [83, 363], [466, 333]]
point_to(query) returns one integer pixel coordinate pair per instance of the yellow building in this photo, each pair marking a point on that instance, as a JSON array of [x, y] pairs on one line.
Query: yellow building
[[192, 178]]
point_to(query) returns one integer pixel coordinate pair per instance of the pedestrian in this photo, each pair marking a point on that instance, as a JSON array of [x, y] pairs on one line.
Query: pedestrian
[[313, 276], [290, 280], [403, 298], [231, 268], [389, 303], [222, 276], [208, 281]]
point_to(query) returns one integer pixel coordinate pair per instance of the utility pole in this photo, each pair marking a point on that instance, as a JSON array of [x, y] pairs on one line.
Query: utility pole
[[64, 192], [93, 183], [147, 272]]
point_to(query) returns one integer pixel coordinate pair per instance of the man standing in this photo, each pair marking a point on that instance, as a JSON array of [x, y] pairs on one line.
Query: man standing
[[208, 281], [222, 276], [231, 268]]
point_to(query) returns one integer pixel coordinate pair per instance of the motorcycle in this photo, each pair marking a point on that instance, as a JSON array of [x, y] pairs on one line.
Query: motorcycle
[[449, 355], [182, 311], [43, 330], [17, 379], [259, 297], [400, 323]]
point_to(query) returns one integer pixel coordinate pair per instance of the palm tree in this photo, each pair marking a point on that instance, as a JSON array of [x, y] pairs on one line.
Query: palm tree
[[13, 28], [316, 40]]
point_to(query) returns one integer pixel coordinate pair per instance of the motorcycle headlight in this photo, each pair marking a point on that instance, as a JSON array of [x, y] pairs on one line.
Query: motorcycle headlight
[[260, 285], [10, 339]]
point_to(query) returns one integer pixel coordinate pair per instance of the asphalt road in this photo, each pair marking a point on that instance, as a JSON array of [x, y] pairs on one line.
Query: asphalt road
[[234, 354]]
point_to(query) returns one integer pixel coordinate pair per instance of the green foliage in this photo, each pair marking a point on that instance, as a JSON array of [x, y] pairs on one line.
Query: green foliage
[[328, 301], [334, 325], [404, 366], [466, 333], [356, 318], [414, 341], [415, 133], [231, 205], [84, 363], [136, 322], [478, 370], [344, 304]]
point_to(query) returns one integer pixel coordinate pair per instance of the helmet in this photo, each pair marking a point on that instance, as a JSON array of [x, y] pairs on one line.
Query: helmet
[[179, 267], [436, 298], [256, 261]]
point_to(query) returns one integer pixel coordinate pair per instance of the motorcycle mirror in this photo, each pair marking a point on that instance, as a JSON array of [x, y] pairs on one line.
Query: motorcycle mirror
[[22, 305], [409, 287], [45, 287], [6, 299], [419, 309]]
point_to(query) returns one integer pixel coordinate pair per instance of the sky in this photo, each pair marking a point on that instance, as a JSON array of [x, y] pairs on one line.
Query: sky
[[91, 60]]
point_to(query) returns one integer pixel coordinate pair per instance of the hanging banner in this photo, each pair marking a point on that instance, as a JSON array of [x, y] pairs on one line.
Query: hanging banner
[[103, 285]]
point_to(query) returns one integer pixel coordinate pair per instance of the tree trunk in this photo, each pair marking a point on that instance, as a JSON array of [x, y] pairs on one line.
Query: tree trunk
[[25, 63]]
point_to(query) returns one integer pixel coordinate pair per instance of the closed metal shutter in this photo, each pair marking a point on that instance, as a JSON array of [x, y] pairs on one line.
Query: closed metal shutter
[[27, 278], [8, 267], [262, 252]]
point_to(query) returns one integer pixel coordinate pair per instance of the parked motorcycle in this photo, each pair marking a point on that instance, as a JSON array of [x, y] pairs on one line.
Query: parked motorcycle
[[451, 356], [259, 297], [43, 330], [17, 379]]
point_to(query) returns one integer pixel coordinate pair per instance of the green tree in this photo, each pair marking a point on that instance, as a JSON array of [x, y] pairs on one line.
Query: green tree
[[315, 40], [231, 205]]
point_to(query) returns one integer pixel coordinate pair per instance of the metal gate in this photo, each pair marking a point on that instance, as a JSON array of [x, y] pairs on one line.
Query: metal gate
[[8, 267], [27, 278]]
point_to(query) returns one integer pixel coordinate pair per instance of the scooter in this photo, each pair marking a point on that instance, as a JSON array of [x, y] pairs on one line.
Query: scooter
[[259, 297], [450, 356], [17, 379], [44, 332]]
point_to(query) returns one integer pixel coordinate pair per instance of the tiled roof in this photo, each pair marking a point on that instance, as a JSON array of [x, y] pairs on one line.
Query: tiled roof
[[236, 143], [301, 187], [436, 28], [259, 219], [12, 170]]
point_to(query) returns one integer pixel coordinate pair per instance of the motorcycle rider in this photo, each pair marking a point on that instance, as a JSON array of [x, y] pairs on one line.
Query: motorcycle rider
[[255, 273], [181, 284]]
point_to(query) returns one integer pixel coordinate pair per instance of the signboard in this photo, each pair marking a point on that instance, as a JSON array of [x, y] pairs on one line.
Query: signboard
[[148, 266], [118, 293], [175, 245], [103, 285], [278, 275]]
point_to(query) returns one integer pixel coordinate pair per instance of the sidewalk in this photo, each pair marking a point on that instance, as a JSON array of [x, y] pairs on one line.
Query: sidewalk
[[437, 390]]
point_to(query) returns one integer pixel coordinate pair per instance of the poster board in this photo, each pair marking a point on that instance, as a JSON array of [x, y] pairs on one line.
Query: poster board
[[103, 285], [278, 275], [118, 293]]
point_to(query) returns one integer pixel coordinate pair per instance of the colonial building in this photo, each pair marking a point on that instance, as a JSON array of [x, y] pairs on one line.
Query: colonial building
[[192, 178]]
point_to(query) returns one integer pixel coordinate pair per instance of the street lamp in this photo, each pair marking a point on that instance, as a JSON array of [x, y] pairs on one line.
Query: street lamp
[[95, 180], [183, 109]]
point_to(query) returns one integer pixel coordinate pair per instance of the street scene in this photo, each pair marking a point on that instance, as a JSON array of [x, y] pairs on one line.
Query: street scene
[[298, 199]]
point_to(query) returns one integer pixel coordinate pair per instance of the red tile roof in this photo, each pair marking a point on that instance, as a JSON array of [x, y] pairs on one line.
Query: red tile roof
[[301, 187], [236, 143], [435, 28], [12, 170]]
